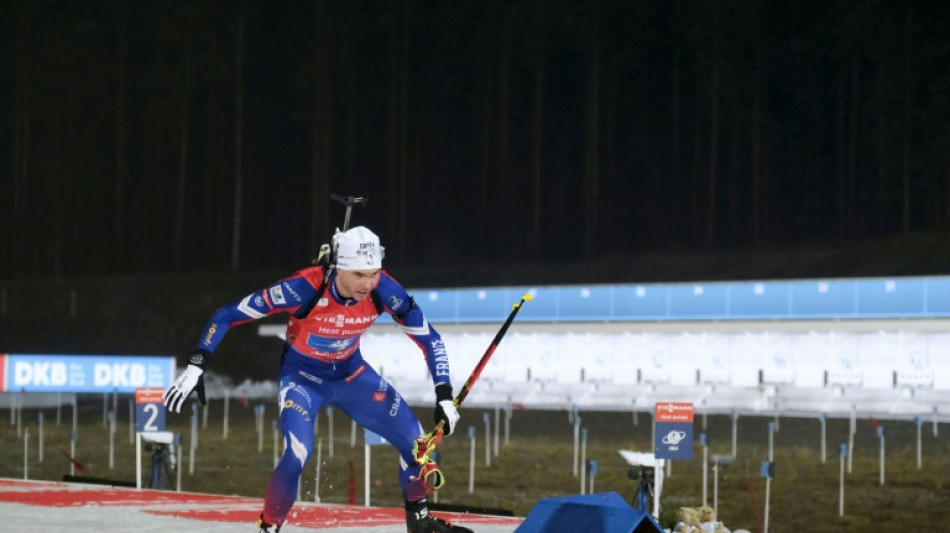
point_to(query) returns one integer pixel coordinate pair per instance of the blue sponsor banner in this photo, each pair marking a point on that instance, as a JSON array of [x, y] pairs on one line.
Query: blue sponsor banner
[[823, 299], [759, 300], [699, 301], [937, 297], [584, 303], [888, 296], [641, 302], [86, 373], [483, 304], [438, 303], [754, 300]]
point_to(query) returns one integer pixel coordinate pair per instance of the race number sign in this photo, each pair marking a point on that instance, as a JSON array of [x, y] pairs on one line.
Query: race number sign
[[149, 410], [674, 430]]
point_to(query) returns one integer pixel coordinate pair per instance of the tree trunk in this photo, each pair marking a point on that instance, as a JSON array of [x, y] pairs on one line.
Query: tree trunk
[[676, 114], [348, 81], [21, 148], [613, 219], [121, 120], [61, 175], [183, 162], [735, 225], [392, 123], [216, 205], [757, 143], [537, 158], [906, 124], [238, 141], [592, 155], [850, 190], [322, 104], [61, 197], [504, 103], [403, 136], [840, 152], [485, 212], [713, 143], [695, 207]]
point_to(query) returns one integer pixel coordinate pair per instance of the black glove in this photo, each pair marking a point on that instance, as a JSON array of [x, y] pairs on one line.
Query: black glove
[[192, 379], [445, 410]]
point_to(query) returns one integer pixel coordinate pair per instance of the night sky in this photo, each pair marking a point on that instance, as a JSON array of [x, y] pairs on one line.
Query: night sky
[[169, 136]]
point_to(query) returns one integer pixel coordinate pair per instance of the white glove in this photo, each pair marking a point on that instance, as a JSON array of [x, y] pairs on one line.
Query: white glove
[[445, 409], [192, 379], [450, 414]]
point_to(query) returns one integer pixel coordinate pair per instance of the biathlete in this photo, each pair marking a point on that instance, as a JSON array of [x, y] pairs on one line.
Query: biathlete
[[322, 365]]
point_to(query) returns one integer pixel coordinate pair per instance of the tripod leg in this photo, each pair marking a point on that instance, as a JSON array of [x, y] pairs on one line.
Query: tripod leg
[[168, 476]]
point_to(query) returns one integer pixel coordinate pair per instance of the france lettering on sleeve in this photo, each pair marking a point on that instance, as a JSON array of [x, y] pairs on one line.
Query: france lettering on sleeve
[[396, 300]]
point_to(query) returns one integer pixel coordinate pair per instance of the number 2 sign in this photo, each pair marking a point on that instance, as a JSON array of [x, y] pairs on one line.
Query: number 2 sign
[[149, 410]]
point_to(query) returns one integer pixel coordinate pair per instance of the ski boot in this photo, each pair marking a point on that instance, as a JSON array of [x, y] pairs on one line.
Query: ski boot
[[265, 527], [422, 522]]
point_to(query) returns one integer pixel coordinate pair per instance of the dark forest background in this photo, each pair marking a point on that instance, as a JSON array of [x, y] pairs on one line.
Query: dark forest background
[[156, 137]]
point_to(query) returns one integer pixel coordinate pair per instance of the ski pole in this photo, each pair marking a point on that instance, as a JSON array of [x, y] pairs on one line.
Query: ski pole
[[426, 444], [467, 387]]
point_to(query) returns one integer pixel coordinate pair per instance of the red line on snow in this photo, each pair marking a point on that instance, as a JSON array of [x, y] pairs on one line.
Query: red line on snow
[[214, 508], [317, 516]]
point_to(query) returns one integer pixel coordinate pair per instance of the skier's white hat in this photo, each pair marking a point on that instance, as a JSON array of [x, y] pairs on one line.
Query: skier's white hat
[[358, 249]]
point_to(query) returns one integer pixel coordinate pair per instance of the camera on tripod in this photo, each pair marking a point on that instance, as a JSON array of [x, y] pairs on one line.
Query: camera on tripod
[[642, 473], [162, 446]]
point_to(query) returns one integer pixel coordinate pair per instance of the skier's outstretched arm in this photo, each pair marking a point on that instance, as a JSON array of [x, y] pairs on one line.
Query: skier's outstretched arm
[[285, 296]]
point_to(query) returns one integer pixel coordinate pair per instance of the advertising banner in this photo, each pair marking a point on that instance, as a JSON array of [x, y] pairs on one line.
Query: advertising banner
[[149, 410], [84, 373], [674, 430]]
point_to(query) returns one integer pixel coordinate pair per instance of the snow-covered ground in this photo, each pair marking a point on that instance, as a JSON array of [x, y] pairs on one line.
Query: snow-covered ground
[[50, 507]]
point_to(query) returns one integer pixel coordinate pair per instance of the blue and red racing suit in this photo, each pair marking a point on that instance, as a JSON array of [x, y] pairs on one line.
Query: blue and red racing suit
[[322, 365]]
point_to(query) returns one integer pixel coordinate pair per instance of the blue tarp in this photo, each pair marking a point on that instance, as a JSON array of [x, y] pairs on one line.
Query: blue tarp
[[604, 512]]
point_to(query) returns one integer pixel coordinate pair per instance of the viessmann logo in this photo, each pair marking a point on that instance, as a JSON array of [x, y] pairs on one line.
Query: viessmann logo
[[341, 320]]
